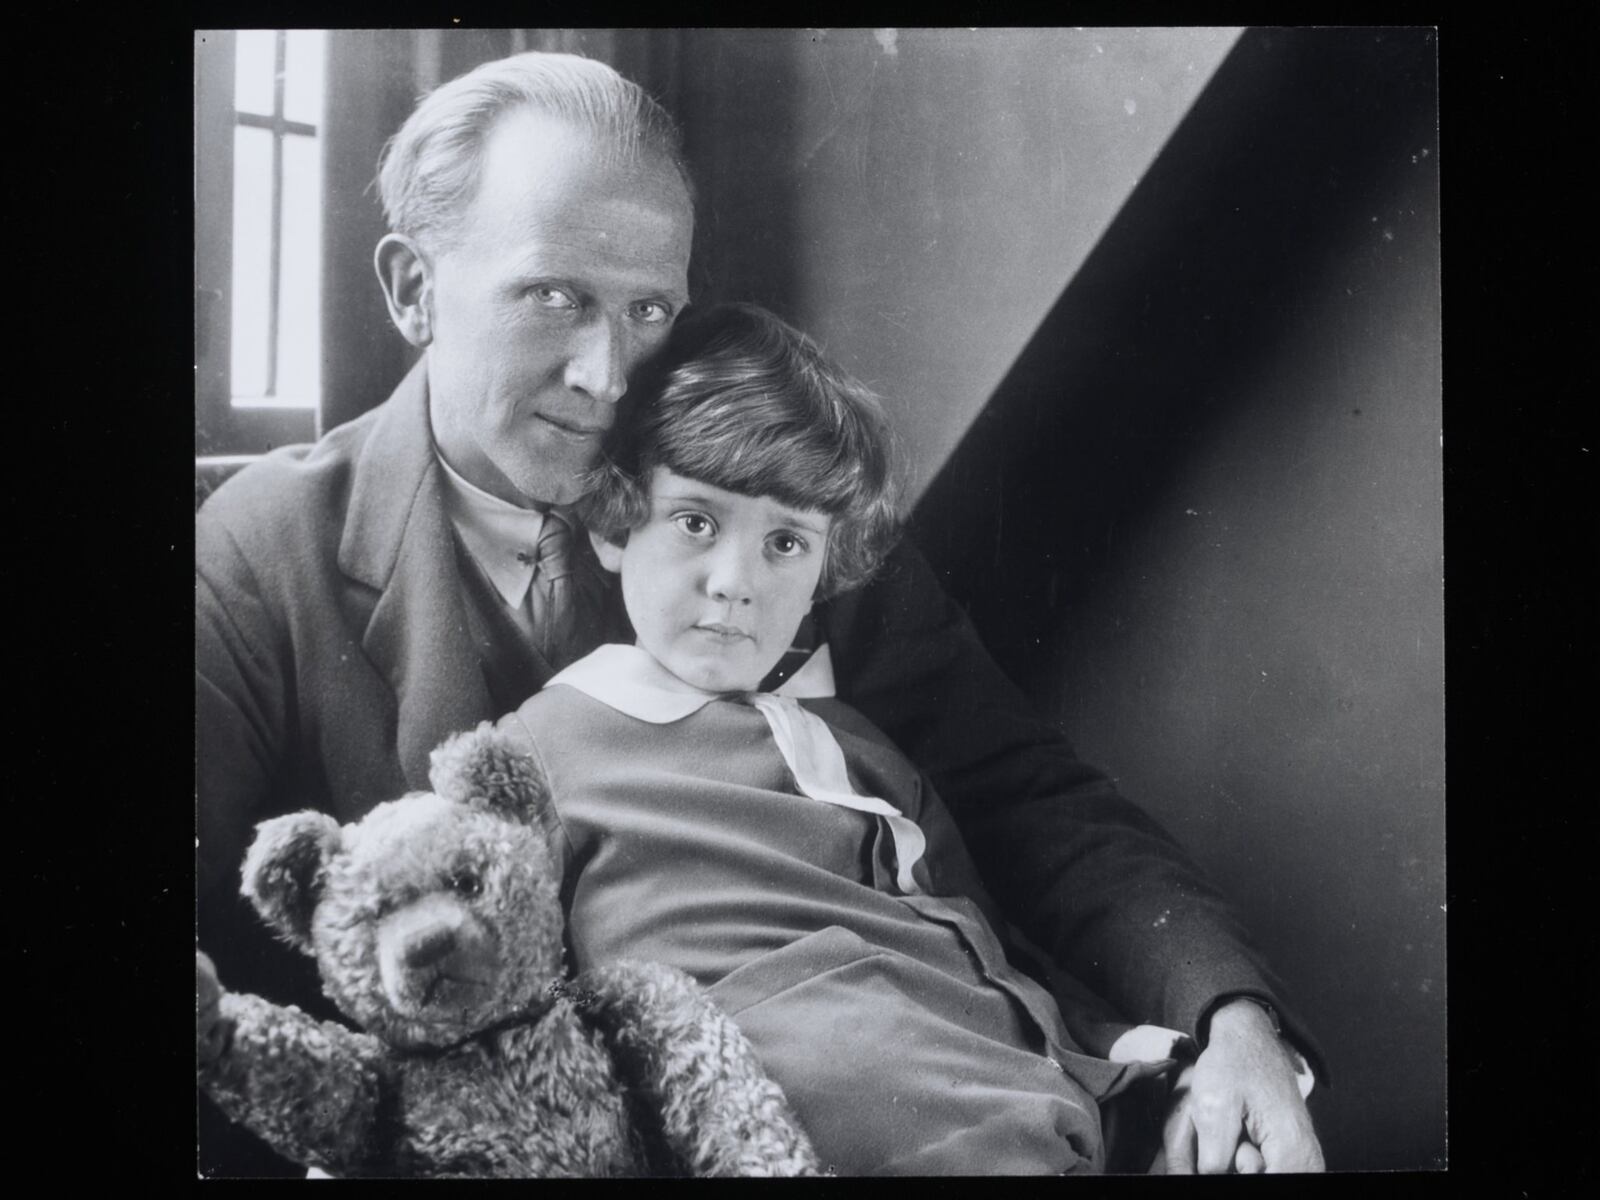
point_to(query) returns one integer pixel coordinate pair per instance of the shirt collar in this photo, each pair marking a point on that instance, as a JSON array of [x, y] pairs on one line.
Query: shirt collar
[[495, 532], [629, 680]]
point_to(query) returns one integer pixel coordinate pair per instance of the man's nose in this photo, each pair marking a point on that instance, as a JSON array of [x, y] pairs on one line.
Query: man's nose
[[597, 365], [730, 577]]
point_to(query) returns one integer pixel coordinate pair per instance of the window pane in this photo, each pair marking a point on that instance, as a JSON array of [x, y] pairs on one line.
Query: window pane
[[253, 70], [252, 258], [302, 76], [300, 306]]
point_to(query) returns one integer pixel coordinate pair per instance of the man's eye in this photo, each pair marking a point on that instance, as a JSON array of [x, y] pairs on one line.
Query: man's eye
[[788, 544], [652, 312], [550, 296], [696, 525]]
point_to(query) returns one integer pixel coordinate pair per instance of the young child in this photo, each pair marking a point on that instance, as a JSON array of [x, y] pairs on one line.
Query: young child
[[776, 846]]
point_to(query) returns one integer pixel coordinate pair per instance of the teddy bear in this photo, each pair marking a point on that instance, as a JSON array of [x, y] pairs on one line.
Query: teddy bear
[[436, 927]]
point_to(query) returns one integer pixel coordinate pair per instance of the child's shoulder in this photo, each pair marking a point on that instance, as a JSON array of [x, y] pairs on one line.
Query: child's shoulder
[[552, 710]]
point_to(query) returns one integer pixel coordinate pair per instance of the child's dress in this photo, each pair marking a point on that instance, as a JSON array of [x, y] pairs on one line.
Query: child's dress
[[873, 989]]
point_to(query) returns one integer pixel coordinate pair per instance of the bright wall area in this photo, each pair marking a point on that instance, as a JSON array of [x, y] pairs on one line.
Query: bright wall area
[[917, 199]]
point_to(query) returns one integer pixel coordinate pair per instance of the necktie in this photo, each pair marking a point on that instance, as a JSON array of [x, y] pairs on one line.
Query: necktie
[[817, 763], [550, 600]]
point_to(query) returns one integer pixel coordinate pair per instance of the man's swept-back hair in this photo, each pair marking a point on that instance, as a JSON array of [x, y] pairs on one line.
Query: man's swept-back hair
[[428, 173], [742, 401]]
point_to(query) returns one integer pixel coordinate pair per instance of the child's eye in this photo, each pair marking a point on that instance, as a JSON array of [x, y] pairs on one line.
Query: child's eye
[[788, 544], [696, 525]]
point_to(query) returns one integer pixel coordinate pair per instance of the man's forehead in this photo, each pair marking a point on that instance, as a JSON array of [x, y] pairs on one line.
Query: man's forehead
[[551, 202], [613, 234], [537, 164]]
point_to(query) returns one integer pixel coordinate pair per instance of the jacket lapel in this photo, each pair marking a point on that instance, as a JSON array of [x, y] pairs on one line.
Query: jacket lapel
[[398, 540]]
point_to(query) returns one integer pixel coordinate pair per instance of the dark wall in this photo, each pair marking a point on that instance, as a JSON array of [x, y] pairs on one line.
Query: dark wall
[[1201, 521]]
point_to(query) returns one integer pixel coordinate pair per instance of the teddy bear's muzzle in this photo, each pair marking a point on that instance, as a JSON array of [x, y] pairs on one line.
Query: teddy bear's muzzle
[[434, 954]]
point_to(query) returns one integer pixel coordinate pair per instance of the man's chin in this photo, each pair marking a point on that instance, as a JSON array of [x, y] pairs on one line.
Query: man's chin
[[551, 489]]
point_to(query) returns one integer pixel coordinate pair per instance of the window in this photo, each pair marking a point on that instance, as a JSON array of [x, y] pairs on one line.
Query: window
[[275, 333], [259, 124], [292, 335]]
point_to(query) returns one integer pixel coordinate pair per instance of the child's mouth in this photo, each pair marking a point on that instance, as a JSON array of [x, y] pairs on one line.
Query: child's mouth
[[725, 633]]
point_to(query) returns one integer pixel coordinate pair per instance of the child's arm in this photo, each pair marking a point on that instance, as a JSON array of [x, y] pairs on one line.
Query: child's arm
[[721, 1114], [311, 1089]]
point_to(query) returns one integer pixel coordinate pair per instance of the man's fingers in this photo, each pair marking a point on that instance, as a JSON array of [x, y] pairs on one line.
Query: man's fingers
[[1218, 1127], [1247, 1159], [1178, 1142], [1295, 1149], [1286, 1138]]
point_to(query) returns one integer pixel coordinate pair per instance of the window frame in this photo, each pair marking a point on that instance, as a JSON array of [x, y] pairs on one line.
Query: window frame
[[225, 431]]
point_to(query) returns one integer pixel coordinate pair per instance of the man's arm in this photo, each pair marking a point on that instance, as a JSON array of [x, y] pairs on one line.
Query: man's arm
[[240, 703], [244, 704], [1082, 872], [241, 706]]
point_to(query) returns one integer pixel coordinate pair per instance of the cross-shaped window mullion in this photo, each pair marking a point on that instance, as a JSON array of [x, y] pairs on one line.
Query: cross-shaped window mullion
[[279, 126]]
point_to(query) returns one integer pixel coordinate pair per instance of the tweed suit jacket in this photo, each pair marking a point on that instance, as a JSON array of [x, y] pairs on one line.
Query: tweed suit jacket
[[334, 651]]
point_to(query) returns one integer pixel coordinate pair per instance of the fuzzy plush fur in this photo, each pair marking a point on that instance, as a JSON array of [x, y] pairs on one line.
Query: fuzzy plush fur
[[436, 926]]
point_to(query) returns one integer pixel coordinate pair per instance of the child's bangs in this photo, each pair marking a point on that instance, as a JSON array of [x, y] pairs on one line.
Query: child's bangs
[[799, 465]]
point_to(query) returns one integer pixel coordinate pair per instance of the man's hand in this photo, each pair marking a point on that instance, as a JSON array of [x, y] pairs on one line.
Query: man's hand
[[1239, 1106]]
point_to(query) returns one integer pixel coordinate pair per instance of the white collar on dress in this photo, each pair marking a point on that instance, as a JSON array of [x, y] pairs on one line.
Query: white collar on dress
[[629, 680]]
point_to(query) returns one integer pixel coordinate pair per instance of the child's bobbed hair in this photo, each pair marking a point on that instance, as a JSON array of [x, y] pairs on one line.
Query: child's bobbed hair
[[740, 400]]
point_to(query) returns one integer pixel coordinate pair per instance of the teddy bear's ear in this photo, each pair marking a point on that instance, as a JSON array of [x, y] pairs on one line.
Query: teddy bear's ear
[[484, 769], [283, 872]]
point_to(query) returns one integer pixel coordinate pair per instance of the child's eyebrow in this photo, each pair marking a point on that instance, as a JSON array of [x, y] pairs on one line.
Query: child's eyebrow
[[803, 523], [700, 498]]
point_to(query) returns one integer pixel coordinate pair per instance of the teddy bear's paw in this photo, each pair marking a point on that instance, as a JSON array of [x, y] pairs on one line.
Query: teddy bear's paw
[[767, 1141], [211, 1033]]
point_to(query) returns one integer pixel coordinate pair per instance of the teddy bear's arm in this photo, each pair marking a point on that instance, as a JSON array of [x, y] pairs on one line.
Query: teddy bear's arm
[[721, 1113], [313, 1090]]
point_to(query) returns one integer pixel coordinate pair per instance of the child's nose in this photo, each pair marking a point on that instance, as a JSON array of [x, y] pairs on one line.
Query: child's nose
[[730, 578]]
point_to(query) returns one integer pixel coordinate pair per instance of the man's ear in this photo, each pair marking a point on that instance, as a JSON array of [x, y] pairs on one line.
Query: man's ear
[[608, 552], [406, 276]]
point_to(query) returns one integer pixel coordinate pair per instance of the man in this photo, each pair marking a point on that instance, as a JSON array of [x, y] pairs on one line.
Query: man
[[414, 573]]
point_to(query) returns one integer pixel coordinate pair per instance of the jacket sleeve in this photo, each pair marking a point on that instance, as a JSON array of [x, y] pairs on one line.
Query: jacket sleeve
[[1079, 870], [241, 703], [244, 703]]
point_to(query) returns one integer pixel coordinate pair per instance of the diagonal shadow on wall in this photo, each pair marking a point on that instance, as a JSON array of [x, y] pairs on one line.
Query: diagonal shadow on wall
[[1272, 171]]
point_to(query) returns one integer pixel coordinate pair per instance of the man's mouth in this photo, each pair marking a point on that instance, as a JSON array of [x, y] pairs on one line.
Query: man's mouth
[[573, 429]]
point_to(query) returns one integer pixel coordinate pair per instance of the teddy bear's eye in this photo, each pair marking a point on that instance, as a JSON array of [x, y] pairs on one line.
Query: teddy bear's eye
[[465, 881]]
